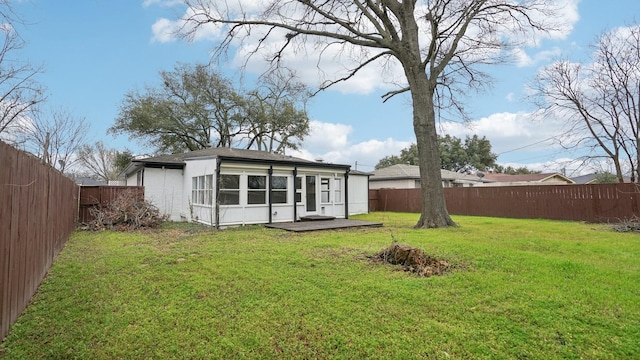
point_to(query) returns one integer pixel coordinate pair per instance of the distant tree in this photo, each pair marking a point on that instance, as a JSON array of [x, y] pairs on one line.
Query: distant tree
[[441, 45], [389, 160], [523, 170], [196, 108], [478, 152], [54, 136], [102, 163], [600, 101], [453, 155], [472, 155], [605, 178], [19, 90], [193, 108], [277, 119]]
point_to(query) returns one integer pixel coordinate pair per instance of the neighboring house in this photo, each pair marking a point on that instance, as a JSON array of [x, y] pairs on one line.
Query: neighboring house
[[495, 179], [402, 176], [585, 179], [224, 186], [592, 179], [86, 181]]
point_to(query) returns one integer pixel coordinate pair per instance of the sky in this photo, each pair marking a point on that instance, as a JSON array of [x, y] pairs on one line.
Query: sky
[[95, 51]]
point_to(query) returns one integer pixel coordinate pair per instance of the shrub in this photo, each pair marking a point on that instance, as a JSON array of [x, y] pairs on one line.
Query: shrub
[[627, 225], [127, 212]]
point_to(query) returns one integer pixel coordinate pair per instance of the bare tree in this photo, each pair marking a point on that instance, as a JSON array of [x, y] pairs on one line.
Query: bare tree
[[19, 91], [101, 162], [55, 137], [437, 43], [600, 101]]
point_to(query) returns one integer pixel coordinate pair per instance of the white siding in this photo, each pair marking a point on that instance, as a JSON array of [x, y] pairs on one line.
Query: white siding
[[171, 191], [394, 184], [194, 212], [164, 188], [358, 194]]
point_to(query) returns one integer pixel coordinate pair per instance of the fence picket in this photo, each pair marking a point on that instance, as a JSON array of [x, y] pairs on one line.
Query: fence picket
[[591, 203]]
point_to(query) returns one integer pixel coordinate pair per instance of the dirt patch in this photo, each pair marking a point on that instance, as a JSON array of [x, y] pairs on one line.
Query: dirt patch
[[412, 260]]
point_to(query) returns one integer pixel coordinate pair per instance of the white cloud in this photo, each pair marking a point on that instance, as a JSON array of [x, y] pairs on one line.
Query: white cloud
[[508, 131], [330, 142], [164, 30], [510, 96]]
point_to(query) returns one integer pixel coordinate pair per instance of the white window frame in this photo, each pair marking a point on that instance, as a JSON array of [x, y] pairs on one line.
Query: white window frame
[[229, 190], [284, 190], [337, 190], [258, 191], [202, 190]]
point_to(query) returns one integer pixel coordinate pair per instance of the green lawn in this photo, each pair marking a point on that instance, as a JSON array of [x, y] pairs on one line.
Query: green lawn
[[521, 289]]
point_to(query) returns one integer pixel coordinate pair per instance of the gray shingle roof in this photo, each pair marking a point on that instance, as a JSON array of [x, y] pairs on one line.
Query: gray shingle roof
[[404, 171], [244, 155]]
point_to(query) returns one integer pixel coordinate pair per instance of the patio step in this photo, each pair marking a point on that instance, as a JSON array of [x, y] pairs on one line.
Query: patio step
[[317, 218]]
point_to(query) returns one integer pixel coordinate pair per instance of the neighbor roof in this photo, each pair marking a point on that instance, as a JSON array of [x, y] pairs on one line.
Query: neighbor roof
[[525, 177], [405, 171]]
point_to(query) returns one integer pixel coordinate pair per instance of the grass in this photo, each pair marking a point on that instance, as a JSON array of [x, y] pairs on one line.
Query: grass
[[522, 289]]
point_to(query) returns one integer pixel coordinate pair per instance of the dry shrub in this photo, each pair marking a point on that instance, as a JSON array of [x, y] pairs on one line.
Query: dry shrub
[[127, 212], [627, 225], [412, 260]]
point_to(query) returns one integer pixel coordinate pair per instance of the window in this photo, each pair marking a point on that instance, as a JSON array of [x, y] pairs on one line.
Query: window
[[229, 193], [324, 190], [337, 189], [298, 190], [257, 189], [279, 189], [202, 190]]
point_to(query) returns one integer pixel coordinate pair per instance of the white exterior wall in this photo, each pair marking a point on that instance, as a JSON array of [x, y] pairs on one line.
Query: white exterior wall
[[132, 180], [335, 206], [164, 188], [171, 191], [358, 194], [393, 184], [202, 213]]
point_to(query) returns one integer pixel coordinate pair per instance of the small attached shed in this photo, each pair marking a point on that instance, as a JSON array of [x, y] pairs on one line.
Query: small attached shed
[[225, 187]]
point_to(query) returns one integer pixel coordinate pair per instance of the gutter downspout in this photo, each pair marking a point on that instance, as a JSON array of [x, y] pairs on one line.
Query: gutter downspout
[[217, 206], [269, 188], [346, 194], [295, 190]]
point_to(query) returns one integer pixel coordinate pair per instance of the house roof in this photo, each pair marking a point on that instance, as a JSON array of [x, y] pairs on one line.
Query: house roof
[[240, 155], [495, 177], [87, 181], [404, 171], [585, 179]]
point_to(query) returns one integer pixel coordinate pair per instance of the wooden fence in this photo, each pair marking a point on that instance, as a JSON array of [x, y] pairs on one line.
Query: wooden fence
[[590, 203], [96, 196], [38, 208]]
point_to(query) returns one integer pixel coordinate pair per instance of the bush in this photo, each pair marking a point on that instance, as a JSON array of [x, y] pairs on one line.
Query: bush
[[127, 212], [627, 225]]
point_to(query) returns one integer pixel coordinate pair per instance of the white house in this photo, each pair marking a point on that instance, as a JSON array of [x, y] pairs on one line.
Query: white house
[[224, 186], [404, 176]]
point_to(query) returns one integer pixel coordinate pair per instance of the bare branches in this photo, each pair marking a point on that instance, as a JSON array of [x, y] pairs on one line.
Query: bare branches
[[600, 100], [55, 137], [19, 91]]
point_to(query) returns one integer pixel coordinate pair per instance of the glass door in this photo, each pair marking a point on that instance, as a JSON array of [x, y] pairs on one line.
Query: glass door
[[310, 193]]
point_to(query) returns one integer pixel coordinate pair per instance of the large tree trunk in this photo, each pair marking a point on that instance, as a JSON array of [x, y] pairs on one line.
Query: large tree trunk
[[434, 212]]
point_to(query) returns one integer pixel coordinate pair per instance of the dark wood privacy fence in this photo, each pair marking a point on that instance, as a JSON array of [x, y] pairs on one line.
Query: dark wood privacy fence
[[591, 203], [96, 196], [38, 208]]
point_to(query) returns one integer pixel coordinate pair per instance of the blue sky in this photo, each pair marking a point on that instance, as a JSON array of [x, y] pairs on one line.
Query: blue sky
[[95, 51]]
